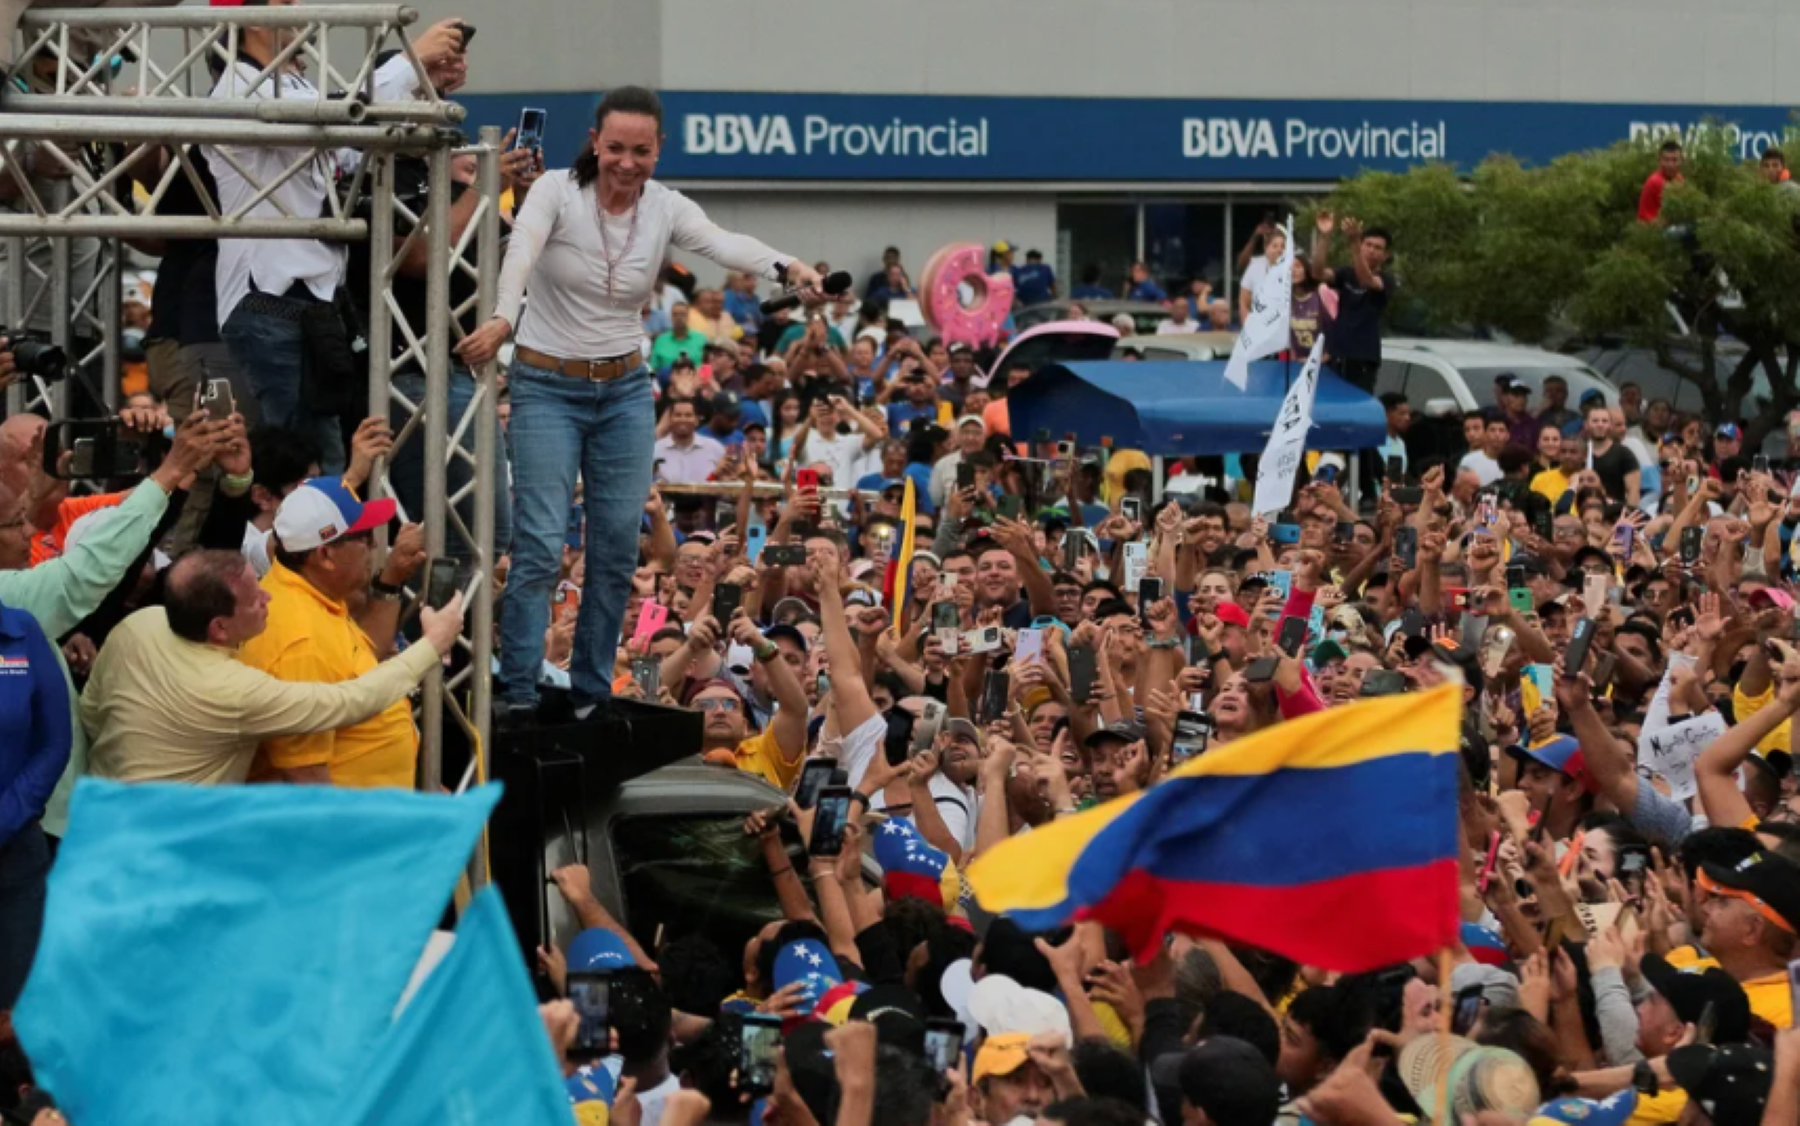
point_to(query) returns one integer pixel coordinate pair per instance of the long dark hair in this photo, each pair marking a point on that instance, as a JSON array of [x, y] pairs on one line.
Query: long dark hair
[[621, 99]]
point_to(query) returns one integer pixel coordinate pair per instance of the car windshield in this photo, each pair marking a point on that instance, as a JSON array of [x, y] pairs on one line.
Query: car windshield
[[694, 875], [1580, 379]]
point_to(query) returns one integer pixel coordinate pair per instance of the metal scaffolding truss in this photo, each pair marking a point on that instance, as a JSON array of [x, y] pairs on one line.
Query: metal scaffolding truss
[[78, 127]]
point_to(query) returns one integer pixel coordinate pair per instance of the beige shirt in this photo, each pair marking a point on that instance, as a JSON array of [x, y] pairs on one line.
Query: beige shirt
[[162, 709]]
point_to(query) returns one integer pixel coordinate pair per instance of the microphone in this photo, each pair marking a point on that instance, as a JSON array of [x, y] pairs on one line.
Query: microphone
[[836, 282]]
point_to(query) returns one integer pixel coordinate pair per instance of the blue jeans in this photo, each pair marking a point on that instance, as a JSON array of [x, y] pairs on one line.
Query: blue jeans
[[24, 871], [272, 350], [406, 469], [606, 432]]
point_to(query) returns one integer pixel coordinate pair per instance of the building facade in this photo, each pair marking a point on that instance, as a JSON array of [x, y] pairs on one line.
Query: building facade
[[1103, 133]]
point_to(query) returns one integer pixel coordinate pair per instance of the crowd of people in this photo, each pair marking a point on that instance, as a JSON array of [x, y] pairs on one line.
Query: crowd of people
[[929, 634]]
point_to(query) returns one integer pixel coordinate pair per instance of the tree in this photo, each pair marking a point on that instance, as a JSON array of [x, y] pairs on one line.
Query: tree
[[1545, 252]]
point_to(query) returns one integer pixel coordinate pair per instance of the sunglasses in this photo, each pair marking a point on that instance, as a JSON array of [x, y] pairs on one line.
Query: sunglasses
[[716, 704]]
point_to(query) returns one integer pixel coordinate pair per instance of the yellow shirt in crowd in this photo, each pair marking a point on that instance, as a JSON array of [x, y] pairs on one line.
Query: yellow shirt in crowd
[[1769, 996], [313, 638], [1777, 740], [762, 756]]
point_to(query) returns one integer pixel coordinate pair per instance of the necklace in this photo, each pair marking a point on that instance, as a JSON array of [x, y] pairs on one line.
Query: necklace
[[612, 263]]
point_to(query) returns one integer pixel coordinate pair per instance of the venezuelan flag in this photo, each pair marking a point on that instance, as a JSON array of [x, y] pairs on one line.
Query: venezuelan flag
[[899, 571], [1331, 839]]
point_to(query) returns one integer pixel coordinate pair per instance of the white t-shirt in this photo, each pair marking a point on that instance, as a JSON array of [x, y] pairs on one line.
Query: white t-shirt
[[1170, 328], [1484, 466], [955, 805], [651, 1100], [1254, 273], [842, 452]]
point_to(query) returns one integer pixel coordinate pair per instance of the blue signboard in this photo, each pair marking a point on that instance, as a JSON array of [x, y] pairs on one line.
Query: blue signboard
[[889, 138]]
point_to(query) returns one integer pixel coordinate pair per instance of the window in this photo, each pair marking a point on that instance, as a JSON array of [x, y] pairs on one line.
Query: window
[[1417, 382], [694, 875]]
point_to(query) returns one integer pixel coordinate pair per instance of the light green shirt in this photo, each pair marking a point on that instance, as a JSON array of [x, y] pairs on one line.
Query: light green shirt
[[63, 591]]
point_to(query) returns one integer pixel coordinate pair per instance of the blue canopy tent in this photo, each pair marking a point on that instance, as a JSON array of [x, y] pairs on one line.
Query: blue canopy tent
[[1185, 408]]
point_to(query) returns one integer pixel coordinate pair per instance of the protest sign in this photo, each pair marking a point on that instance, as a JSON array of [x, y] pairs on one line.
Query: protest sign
[[1671, 750]]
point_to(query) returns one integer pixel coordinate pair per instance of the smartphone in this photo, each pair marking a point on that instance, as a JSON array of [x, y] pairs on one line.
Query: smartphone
[[1794, 991], [830, 816], [1487, 511], [647, 672], [1543, 523], [1076, 545], [1593, 592], [814, 776], [1261, 670], [925, 727], [1467, 1011], [1083, 668], [1132, 508], [1193, 732], [1383, 682], [983, 640], [1575, 658], [591, 994], [218, 402], [1150, 592], [943, 1049], [1137, 563], [1691, 540], [1011, 506], [1543, 678], [440, 583], [965, 476], [1622, 536], [1603, 670], [726, 599], [784, 555], [807, 479], [1029, 646], [652, 617], [945, 616], [759, 1045], [1521, 599], [1409, 497], [755, 537], [1065, 451], [1457, 597], [996, 686], [1285, 533], [1293, 636], [822, 684], [1759, 463], [467, 31], [1515, 575], [1406, 546], [1344, 532], [1396, 468]]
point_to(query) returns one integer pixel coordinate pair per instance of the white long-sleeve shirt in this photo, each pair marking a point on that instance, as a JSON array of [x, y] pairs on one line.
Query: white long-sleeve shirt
[[274, 265], [556, 254]]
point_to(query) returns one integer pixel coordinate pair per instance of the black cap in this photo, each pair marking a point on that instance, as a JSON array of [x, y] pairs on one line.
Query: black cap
[[897, 1014], [1231, 1081], [1689, 994], [1730, 1082], [1124, 730], [777, 632], [1510, 383], [1765, 877]]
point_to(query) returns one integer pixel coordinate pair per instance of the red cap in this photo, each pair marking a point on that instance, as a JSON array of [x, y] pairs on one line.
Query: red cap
[[1232, 614]]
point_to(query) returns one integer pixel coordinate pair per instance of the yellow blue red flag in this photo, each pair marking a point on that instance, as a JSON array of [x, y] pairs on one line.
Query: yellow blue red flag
[[1330, 839], [900, 566]]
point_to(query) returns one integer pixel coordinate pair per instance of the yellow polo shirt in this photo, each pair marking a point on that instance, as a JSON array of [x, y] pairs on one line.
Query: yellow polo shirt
[[312, 638], [762, 756], [1550, 484], [1780, 739], [1769, 996]]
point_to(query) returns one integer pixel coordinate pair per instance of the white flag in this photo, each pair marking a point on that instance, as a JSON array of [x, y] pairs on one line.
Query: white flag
[[1265, 330], [1280, 462]]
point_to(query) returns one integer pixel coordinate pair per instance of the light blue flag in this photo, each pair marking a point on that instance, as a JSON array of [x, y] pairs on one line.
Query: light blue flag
[[470, 1046], [217, 954]]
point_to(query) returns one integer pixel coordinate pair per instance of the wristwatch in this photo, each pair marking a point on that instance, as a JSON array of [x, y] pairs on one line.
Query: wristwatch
[[385, 592], [766, 652]]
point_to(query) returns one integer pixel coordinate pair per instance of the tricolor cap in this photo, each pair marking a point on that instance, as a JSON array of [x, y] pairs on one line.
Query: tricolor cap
[[1561, 754], [1586, 1112], [810, 965], [324, 510], [599, 949], [1728, 431]]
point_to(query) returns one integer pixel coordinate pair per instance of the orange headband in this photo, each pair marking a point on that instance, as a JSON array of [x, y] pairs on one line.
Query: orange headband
[[1762, 908]]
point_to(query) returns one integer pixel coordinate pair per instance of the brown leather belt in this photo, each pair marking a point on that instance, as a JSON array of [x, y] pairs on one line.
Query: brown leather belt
[[595, 371]]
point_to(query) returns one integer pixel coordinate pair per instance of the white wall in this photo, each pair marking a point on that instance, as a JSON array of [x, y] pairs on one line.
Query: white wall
[[850, 229], [1671, 51]]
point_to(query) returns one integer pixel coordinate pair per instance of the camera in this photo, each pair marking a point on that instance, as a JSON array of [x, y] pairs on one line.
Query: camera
[[35, 355]]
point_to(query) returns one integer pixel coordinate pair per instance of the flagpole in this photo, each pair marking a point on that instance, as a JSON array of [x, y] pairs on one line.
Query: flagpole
[[1446, 1003]]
